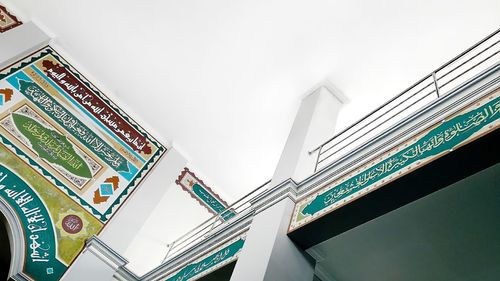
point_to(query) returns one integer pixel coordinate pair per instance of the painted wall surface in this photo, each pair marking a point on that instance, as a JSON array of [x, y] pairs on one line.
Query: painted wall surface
[[68, 158]]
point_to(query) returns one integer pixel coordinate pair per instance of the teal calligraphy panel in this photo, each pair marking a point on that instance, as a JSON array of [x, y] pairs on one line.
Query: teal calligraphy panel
[[443, 137], [229, 252]]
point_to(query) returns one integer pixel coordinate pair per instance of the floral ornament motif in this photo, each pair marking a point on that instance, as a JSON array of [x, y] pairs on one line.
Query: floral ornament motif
[[72, 224], [7, 20], [5, 95], [106, 190]]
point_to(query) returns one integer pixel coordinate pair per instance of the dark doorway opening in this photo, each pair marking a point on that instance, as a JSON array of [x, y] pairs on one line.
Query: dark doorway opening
[[221, 274], [5, 254]]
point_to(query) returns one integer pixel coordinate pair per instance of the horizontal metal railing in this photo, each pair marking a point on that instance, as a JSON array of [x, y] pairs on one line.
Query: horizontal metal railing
[[435, 85], [202, 231]]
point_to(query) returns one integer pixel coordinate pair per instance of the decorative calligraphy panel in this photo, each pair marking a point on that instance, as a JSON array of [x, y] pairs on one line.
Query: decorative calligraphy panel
[[69, 153], [68, 127], [203, 194], [456, 130], [210, 262]]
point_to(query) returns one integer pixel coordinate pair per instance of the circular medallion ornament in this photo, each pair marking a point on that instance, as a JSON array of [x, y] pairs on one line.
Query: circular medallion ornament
[[72, 224]]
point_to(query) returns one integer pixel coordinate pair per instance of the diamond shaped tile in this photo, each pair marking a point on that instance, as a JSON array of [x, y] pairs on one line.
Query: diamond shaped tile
[[106, 189]]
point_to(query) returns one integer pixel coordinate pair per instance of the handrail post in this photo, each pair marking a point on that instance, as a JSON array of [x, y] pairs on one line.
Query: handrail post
[[317, 158], [436, 84], [215, 221], [170, 246]]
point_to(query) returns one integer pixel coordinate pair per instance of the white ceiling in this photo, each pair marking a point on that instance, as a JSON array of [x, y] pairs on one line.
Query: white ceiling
[[222, 79]]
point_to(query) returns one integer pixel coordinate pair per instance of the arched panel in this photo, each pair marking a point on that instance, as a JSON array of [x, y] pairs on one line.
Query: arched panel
[[16, 237], [31, 227], [5, 255]]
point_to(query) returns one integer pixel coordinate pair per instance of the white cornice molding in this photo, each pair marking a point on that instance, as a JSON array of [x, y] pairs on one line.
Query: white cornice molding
[[216, 237], [97, 247], [273, 195]]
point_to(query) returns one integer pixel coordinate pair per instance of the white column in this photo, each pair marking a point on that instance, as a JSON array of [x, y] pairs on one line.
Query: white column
[[314, 123], [129, 220], [268, 253]]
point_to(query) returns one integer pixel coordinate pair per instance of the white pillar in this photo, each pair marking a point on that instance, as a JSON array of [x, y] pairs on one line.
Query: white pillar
[[314, 123], [129, 220], [269, 254]]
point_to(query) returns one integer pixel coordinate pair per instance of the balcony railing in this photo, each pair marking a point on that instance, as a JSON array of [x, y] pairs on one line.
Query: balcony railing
[[435, 85]]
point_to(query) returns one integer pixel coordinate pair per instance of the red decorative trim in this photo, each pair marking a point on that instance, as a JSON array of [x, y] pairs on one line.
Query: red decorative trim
[[187, 189], [5, 13]]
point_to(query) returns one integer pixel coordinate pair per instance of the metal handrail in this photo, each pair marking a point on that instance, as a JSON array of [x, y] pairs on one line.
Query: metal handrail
[[200, 232], [409, 88], [384, 113]]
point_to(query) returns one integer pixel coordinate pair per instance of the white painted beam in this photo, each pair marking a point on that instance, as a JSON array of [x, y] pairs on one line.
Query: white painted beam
[[20, 42]]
